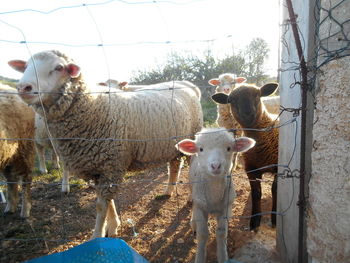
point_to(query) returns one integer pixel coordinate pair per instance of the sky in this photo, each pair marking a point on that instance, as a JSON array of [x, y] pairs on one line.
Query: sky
[[136, 34]]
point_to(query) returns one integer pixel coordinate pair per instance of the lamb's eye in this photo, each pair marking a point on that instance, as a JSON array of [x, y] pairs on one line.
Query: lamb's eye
[[201, 149], [59, 68], [228, 149]]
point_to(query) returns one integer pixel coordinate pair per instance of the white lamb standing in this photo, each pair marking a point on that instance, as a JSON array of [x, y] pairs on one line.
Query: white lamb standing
[[106, 135], [213, 192], [16, 148], [226, 83], [43, 142]]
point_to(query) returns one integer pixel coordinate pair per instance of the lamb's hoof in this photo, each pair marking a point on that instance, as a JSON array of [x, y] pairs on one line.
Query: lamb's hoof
[[162, 197]]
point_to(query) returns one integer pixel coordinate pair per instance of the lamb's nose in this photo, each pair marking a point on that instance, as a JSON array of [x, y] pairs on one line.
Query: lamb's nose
[[23, 88], [216, 166]]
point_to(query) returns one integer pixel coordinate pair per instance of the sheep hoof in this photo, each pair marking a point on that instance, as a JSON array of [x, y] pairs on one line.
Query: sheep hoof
[[162, 197]]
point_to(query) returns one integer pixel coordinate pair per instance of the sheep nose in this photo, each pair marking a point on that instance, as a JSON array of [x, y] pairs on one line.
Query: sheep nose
[[216, 166], [23, 88]]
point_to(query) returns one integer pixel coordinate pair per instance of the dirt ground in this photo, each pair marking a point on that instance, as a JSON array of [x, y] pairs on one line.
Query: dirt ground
[[157, 229]]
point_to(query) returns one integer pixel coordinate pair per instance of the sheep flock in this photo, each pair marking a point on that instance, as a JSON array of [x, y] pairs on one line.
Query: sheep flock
[[100, 132]]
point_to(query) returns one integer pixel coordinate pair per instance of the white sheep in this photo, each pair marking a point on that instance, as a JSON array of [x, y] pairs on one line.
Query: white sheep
[[112, 83], [16, 148], [250, 112], [226, 83], [106, 135], [43, 142], [213, 191]]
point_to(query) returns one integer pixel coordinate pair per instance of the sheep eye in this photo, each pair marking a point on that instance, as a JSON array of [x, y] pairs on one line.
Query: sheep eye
[[59, 68], [201, 149], [228, 149]]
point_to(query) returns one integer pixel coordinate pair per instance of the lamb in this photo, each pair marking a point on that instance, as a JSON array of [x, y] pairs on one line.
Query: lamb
[[107, 135], [114, 84], [212, 188], [225, 83], [248, 109], [42, 142], [16, 155]]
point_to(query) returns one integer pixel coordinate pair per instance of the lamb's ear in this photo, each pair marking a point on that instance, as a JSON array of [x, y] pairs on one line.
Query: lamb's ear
[[243, 144], [220, 98], [122, 84], [18, 65], [240, 79], [268, 89], [214, 82], [187, 147], [102, 84], [73, 70]]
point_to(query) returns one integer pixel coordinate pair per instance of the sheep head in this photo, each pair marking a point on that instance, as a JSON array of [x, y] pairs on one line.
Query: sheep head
[[226, 82], [245, 102], [43, 75], [214, 150]]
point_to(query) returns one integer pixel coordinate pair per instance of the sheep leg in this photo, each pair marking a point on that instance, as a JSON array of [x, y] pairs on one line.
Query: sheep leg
[[221, 238], [12, 197], [274, 201], [105, 193], [255, 186], [65, 181], [174, 169], [101, 210], [202, 234], [55, 160], [40, 150], [113, 221], [12, 190], [26, 198]]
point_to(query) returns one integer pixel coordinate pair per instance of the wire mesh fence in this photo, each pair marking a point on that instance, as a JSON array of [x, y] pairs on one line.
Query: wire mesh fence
[[333, 42]]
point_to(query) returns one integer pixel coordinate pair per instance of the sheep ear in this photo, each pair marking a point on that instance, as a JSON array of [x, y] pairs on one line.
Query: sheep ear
[[102, 84], [240, 79], [123, 84], [18, 65], [187, 147], [220, 98], [268, 89], [73, 70], [214, 82], [243, 144]]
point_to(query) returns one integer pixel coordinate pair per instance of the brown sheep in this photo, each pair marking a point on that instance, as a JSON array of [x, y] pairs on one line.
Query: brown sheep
[[16, 156], [251, 114]]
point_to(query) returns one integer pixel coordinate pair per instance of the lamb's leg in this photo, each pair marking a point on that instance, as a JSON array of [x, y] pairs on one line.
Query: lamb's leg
[[255, 186], [12, 197], [55, 160], [105, 193], [202, 234], [12, 190], [174, 170], [274, 201], [113, 221], [65, 180], [26, 197], [40, 150], [221, 238]]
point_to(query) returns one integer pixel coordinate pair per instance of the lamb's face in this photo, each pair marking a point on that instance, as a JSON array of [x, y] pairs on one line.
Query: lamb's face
[[215, 150], [42, 76], [246, 105]]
